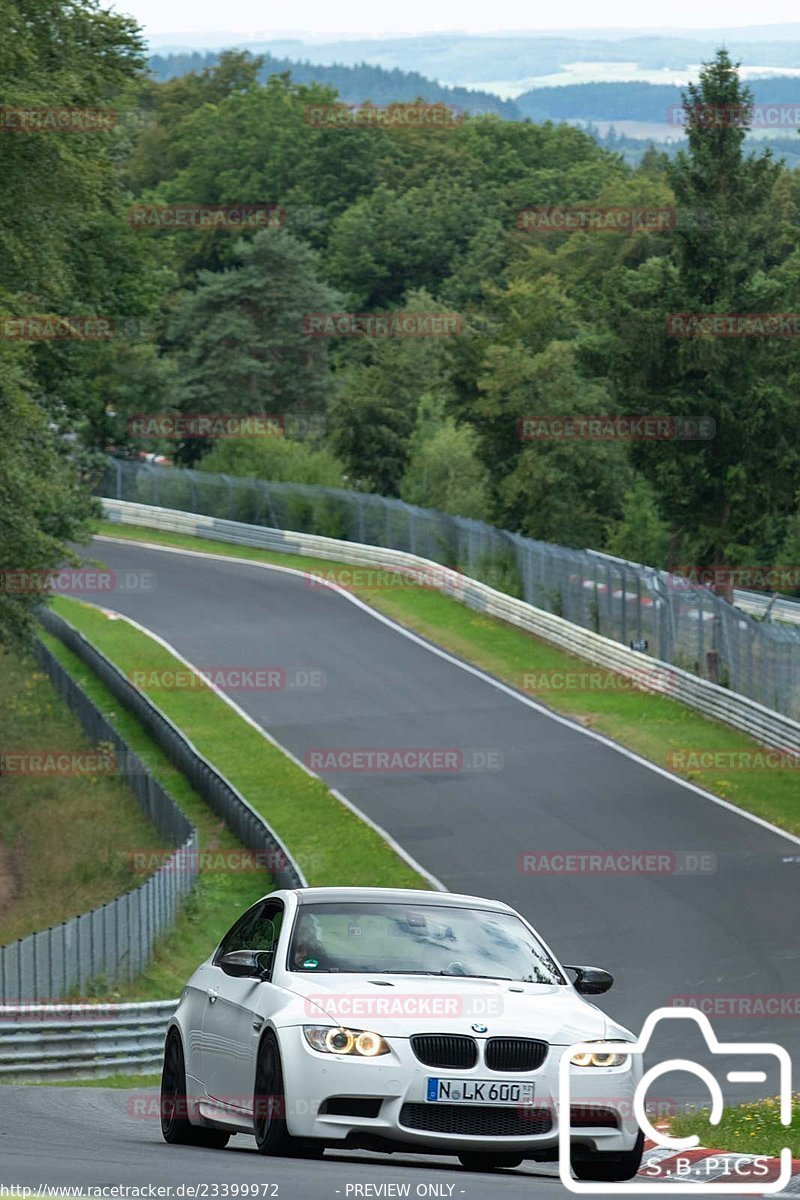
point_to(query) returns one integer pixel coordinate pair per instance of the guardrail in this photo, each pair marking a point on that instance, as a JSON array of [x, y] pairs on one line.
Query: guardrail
[[223, 798], [116, 940], [666, 614], [71, 1041], [767, 726], [759, 604]]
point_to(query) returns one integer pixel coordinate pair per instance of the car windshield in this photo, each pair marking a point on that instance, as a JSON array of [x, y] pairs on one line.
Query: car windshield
[[421, 939]]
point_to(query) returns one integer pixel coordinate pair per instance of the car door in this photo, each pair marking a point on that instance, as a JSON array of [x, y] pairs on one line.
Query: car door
[[231, 1024]]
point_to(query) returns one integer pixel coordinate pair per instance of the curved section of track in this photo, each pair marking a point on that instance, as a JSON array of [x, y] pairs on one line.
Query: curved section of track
[[730, 932]]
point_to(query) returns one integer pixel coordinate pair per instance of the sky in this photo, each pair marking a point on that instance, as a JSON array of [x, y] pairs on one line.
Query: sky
[[254, 20]]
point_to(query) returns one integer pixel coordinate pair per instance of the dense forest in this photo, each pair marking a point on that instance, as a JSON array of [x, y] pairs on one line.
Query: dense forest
[[390, 219]]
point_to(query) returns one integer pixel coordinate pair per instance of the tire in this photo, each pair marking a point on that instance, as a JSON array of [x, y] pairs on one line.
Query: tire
[[610, 1168], [176, 1127], [269, 1107], [489, 1162]]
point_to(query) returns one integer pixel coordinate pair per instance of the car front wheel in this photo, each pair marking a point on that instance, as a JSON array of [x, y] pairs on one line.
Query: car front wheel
[[269, 1107], [176, 1127]]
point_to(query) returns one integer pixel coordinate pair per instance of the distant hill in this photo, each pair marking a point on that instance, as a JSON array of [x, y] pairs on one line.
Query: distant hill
[[484, 60], [634, 101], [355, 84]]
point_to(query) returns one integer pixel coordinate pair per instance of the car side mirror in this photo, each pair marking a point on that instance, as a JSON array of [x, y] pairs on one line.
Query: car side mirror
[[592, 981], [247, 964]]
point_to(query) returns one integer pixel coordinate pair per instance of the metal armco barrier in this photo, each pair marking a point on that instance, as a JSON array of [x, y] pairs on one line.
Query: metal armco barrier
[[41, 1042], [758, 604], [677, 621], [767, 726], [221, 796], [115, 941]]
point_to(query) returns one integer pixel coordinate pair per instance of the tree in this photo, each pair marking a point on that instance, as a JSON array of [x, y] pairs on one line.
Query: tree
[[641, 535], [720, 494], [242, 345], [379, 384], [44, 501], [444, 470], [275, 458]]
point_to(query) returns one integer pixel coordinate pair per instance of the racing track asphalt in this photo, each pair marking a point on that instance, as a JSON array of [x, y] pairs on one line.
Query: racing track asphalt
[[730, 932]]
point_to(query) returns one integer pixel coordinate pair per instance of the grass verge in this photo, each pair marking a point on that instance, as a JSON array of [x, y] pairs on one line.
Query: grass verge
[[63, 834], [746, 1129], [217, 897], [652, 725], [331, 844]]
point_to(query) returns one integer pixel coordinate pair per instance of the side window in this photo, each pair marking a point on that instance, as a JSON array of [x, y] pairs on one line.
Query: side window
[[257, 930]]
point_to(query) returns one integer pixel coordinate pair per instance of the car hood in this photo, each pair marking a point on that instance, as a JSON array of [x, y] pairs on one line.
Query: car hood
[[408, 1004]]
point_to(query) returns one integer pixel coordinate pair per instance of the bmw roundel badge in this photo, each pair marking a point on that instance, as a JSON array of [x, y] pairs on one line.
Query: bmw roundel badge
[[479, 1028]]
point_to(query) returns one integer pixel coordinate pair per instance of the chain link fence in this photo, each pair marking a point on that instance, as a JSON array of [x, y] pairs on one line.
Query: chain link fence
[[680, 623], [112, 943]]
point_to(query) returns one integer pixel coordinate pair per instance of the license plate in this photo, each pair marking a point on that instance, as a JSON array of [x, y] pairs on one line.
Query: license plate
[[478, 1091]]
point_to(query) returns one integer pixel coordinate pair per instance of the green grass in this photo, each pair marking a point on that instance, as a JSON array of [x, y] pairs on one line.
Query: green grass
[[330, 842], [747, 1129], [651, 725], [217, 897], [109, 1081], [64, 838]]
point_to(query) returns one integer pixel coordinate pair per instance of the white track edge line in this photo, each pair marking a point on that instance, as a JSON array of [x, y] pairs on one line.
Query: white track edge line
[[387, 837], [472, 670]]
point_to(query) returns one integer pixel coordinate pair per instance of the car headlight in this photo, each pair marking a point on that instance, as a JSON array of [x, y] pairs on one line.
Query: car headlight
[[331, 1039], [585, 1058]]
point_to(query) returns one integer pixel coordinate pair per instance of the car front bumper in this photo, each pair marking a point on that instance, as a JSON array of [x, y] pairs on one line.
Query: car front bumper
[[328, 1098]]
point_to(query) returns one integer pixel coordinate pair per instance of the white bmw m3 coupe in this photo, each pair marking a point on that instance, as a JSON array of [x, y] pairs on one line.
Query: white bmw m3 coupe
[[387, 1019]]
